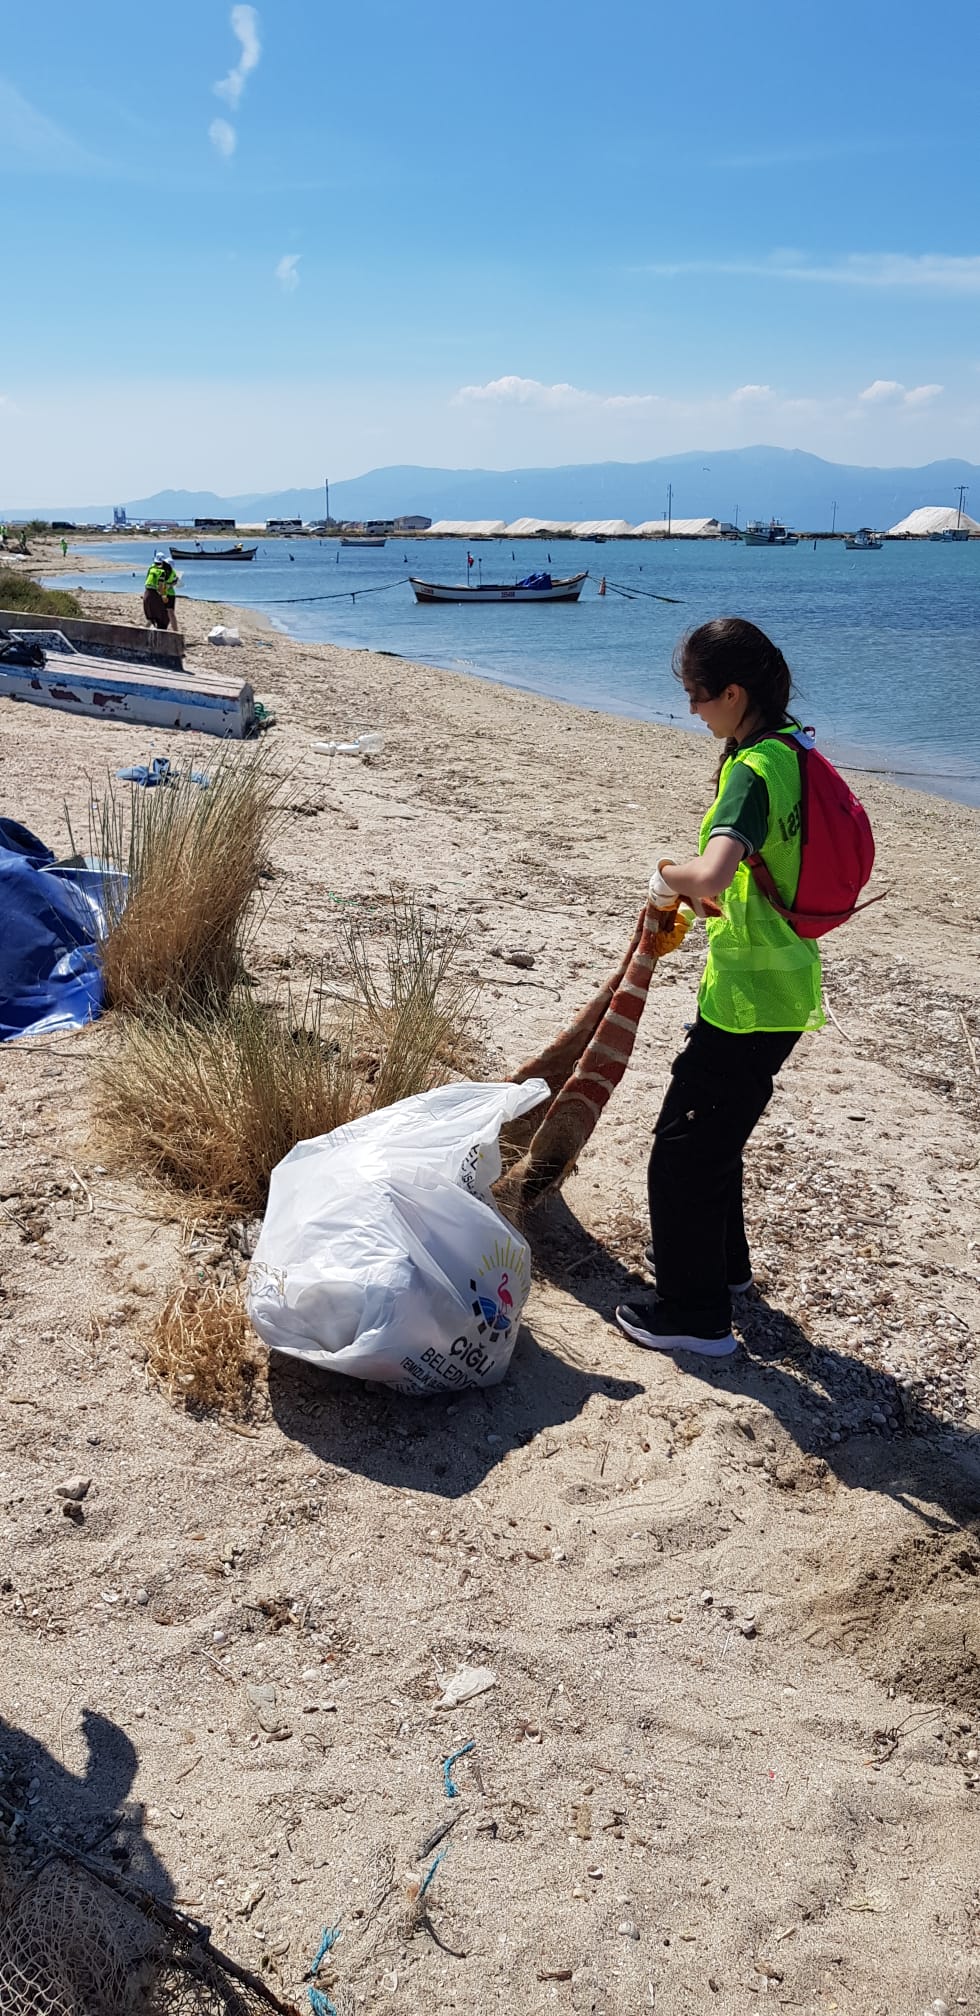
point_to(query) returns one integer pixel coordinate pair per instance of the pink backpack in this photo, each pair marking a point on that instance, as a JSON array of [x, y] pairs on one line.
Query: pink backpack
[[838, 848]]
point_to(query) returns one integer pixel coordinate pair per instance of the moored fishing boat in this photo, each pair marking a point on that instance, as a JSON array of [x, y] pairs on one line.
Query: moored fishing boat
[[864, 541], [757, 533], [534, 588], [200, 552], [362, 542]]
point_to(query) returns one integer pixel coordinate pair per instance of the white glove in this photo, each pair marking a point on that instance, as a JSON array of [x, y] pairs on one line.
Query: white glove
[[662, 896]]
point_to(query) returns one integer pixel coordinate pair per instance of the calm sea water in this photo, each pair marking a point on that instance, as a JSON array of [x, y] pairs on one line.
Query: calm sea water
[[884, 647]]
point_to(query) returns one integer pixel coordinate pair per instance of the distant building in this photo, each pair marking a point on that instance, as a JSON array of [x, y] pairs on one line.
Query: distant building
[[215, 525], [411, 524], [119, 517]]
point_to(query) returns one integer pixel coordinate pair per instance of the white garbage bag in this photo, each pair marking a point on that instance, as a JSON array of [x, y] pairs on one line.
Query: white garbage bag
[[382, 1253]]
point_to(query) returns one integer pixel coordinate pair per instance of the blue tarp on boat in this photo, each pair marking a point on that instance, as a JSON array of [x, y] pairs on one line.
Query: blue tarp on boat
[[52, 919], [535, 581]]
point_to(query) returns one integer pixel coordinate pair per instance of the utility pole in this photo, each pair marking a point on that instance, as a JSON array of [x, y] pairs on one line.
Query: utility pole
[[326, 493], [833, 522], [670, 495], [959, 514]]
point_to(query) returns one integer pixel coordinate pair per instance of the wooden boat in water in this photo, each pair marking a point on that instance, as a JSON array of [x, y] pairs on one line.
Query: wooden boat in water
[[864, 541], [200, 552], [362, 542], [536, 588], [757, 533]]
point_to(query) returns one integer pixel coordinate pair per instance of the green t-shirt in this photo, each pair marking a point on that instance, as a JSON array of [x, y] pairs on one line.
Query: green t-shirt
[[741, 810]]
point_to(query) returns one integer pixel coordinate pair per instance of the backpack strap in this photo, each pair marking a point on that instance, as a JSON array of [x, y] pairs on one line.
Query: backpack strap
[[763, 881]]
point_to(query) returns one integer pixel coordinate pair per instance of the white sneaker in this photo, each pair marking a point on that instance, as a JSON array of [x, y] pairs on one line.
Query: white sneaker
[[643, 1321]]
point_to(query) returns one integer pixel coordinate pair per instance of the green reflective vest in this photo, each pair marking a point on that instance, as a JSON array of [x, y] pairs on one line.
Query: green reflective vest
[[760, 975], [163, 578]]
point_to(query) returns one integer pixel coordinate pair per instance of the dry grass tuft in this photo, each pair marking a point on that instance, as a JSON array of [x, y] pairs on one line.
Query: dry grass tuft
[[211, 1100], [205, 1354], [211, 1104], [413, 1020], [193, 858]]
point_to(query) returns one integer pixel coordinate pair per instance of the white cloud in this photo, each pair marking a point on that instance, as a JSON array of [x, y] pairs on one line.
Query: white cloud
[[28, 137], [890, 392], [245, 24], [223, 137], [925, 272], [746, 393], [513, 391], [286, 273], [882, 389]]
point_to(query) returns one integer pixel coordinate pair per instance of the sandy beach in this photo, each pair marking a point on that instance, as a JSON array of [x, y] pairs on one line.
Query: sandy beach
[[731, 1760]]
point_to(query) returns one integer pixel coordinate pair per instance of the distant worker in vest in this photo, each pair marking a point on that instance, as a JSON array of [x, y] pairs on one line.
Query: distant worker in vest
[[160, 592], [761, 989]]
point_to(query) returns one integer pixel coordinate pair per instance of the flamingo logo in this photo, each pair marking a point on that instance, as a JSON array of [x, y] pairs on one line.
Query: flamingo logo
[[495, 1312]]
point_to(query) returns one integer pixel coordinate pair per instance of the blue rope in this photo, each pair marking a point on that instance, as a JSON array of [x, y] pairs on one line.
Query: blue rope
[[320, 2003], [427, 1880], [452, 1791]]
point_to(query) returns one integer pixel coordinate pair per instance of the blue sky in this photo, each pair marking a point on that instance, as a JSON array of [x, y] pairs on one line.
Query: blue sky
[[255, 245]]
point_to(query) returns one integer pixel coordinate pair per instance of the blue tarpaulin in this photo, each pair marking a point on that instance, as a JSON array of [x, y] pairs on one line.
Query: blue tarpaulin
[[52, 918], [535, 581]]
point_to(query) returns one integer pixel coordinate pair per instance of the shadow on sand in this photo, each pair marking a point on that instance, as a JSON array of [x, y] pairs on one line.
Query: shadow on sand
[[822, 1398], [45, 1804], [443, 1446]]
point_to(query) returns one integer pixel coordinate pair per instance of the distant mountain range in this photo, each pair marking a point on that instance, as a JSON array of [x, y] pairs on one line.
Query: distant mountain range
[[785, 483]]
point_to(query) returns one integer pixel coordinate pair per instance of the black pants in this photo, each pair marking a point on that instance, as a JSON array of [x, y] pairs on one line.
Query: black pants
[[720, 1086], [156, 609]]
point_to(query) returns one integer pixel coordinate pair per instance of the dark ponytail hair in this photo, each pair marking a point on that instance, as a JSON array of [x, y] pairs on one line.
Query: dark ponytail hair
[[731, 652]]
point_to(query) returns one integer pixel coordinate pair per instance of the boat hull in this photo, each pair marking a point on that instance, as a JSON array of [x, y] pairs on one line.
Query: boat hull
[[362, 542], [568, 590], [105, 690], [214, 553]]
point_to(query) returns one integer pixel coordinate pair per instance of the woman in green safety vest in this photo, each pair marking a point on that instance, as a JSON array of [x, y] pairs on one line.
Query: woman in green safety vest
[[760, 990], [160, 593]]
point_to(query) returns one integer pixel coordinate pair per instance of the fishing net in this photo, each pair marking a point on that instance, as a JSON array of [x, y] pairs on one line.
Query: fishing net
[[75, 1943]]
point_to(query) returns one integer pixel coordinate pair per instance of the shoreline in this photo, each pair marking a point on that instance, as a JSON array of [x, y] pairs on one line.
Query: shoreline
[[922, 782], [701, 1591]]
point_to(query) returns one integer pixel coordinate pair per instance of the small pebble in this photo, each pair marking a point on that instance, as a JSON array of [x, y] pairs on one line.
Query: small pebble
[[142, 1597], [219, 1638], [75, 1488], [747, 1627], [628, 1930]]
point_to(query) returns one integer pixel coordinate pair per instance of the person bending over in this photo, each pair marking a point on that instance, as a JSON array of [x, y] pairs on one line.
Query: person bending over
[[160, 593]]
